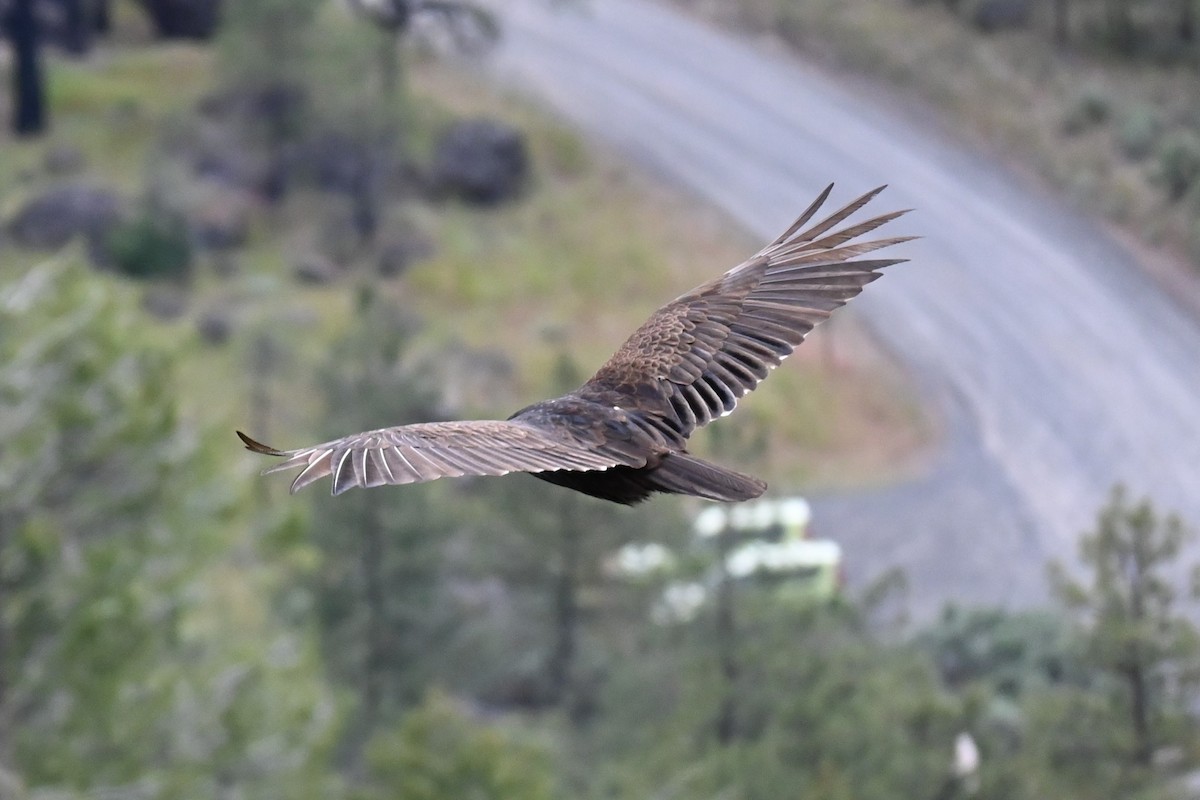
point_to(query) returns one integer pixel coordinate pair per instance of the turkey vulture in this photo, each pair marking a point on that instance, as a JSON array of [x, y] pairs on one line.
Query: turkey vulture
[[622, 435]]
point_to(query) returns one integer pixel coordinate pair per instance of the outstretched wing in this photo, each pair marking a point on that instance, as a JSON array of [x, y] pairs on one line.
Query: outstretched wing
[[705, 350], [431, 450]]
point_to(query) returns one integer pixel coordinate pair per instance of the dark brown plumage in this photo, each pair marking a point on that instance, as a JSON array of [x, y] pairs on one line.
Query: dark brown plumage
[[622, 435]]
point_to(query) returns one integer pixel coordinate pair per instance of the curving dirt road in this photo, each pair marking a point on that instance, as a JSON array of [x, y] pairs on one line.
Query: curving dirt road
[[1057, 367]]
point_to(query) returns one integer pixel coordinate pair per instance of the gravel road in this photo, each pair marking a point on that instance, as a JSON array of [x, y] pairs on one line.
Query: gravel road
[[1056, 368]]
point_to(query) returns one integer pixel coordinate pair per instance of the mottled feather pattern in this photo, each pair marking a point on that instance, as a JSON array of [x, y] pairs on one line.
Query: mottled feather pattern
[[738, 327], [622, 435]]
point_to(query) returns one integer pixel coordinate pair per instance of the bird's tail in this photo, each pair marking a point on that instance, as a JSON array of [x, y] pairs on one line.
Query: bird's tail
[[683, 473]]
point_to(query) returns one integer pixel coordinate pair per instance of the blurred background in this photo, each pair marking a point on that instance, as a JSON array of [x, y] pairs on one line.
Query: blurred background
[[304, 218]]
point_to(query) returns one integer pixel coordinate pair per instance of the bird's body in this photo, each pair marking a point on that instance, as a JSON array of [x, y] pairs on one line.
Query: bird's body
[[622, 435]]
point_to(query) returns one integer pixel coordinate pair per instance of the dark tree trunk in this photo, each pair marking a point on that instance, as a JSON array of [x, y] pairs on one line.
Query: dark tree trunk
[[184, 19], [29, 109], [1139, 709], [78, 27], [5, 656], [1187, 21], [1136, 666], [389, 65], [566, 620], [101, 17], [1062, 22], [726, 634], [364, 203], [375, 658], [1120, 26]]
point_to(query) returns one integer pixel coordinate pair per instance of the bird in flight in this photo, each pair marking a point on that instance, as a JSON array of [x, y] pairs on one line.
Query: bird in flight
[[622, 436]]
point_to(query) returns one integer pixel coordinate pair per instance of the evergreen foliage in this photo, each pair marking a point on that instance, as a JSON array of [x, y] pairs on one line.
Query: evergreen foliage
[[128, 665], [155, 244], [440, 752], [1136, 633], [380, 597]]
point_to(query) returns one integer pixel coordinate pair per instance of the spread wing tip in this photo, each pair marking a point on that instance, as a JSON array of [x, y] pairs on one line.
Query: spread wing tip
[[259, 447]]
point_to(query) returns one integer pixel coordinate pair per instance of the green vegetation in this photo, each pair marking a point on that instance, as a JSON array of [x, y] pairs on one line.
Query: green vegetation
[[171, 626], [132, 632], [441, 751], [1134, 630], [152, 245], [1179, 163]]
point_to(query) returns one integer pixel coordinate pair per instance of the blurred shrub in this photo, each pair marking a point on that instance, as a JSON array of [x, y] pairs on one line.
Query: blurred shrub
[[1138, 133], [993, 15], [1090, 108], [1014, 653], [1178, 162], [155, 244], [440, 753]]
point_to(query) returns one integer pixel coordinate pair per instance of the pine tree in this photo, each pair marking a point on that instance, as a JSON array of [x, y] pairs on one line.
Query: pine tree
[[1136, 632], [379, 584]]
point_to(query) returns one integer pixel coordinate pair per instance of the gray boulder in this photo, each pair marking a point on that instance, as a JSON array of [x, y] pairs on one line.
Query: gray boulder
[[338, 162], [480, 161], [215, 326], [315, 269], [52, 219], [218, 215], [995, 15], [184, 19], [401, 251]]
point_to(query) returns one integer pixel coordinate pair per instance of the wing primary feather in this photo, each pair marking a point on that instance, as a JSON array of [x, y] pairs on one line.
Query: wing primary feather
[[809, 270], [722, 383], [721, 376], [359, 463], [804, 217], [458, 462], [712, 402], [433, 456], [488, 462], [683, 411], [382, 465], [408, 465], [259, 447], [426, 470], [397, 466], [833, 240], [543, 462], [300, 460], [738, 371], [343, 479], [839, 215], [696, 403], [318, 468], [836, 259]]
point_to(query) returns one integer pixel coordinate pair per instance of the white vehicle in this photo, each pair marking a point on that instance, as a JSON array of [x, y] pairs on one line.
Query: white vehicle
[[765, 541]]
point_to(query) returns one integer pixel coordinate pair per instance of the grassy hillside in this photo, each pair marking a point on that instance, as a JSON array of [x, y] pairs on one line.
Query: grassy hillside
[[573, 267]]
